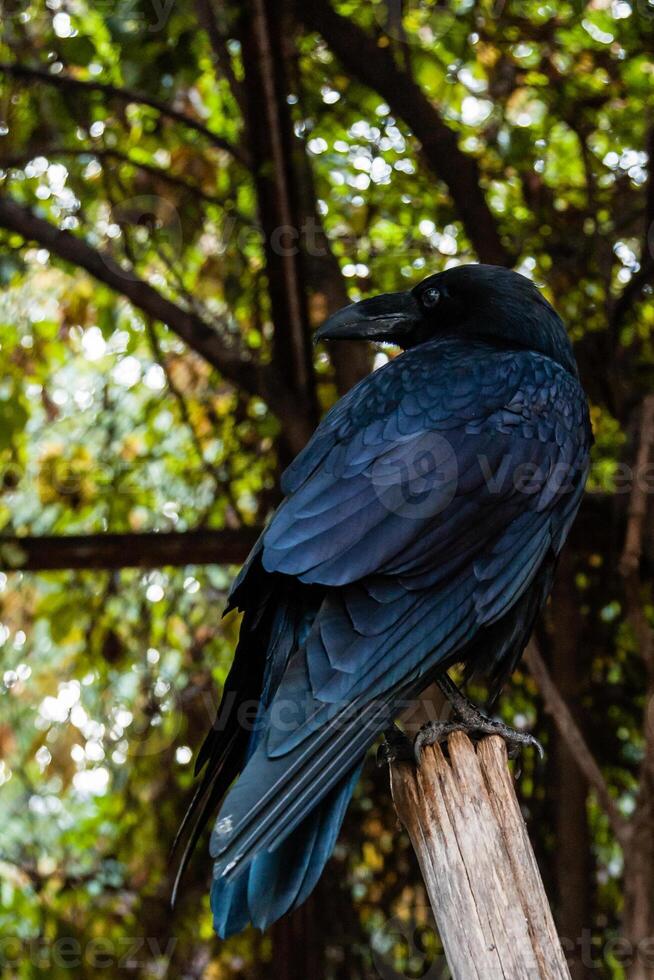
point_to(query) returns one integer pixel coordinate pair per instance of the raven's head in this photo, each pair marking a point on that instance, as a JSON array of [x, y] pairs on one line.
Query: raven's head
[[483, 302]]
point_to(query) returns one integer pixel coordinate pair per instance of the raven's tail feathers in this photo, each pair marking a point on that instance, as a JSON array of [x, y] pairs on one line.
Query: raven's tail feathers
[[282, 879]]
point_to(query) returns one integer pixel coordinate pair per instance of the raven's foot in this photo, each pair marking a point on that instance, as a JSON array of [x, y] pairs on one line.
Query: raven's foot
[[434, 733], [396, 747], [476, 727], [475, 723]]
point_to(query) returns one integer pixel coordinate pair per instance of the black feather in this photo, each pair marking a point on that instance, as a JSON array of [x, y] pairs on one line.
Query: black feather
[[421, 526]]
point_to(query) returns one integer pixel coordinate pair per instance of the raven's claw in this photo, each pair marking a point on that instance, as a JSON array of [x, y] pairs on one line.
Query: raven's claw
[[396, 747], [477, 726], [433, 733], [472, 721]]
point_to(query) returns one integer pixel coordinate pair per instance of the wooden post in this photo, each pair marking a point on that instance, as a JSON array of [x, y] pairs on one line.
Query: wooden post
[[464, 821]]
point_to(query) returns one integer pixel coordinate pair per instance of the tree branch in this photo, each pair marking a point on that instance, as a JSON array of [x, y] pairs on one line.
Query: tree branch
[[232, 518], [631, 558], [278, 205], [639, 859], [270, 132], [112, 551], [105, 153], [194, 331], [630, 564], [350, 359], [62, 81], [221, 59], [631, 293], [376, 67], [150, 550], [633, 544], [572, 736]]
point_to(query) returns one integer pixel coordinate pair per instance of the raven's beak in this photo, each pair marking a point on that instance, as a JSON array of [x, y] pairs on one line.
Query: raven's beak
[[390, 317]]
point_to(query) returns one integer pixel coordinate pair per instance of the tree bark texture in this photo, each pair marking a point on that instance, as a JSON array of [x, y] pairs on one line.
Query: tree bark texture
[[465, 824]]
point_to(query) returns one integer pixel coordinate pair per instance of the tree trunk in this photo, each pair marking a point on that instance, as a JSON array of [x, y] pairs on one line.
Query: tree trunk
[[572, 860], [297, 942], [477, 862], [638, 919], [270, 132], [351, 359]]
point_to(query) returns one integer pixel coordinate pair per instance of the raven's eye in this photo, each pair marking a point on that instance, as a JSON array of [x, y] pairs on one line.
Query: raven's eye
[[430, 297]]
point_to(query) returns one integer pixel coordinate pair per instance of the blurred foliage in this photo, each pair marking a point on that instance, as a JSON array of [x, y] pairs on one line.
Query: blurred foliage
[[109, 423]]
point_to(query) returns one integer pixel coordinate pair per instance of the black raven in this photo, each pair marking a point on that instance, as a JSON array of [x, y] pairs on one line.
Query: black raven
[[420, 528]]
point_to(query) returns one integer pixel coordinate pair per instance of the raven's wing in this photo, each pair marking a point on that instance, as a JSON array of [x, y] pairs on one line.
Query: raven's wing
[[431, 495], [442, 436]]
